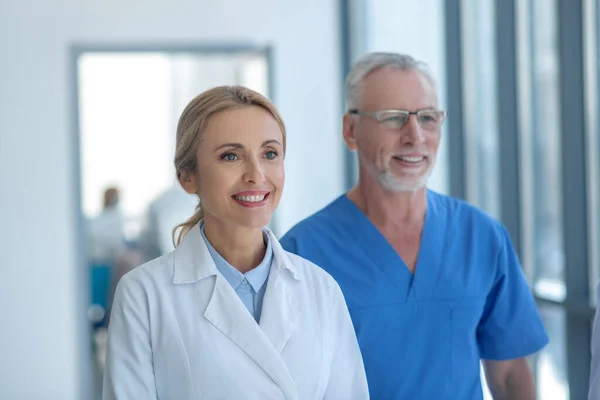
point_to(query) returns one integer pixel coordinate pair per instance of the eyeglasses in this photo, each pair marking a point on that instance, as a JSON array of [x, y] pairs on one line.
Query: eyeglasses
[[430, 119]]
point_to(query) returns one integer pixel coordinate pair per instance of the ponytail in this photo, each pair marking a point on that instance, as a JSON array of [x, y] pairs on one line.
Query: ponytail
[[187, 226]]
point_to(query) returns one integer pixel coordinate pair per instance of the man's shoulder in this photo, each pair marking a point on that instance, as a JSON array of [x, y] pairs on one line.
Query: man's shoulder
[[463, 211], [469, 221], [321, 219]]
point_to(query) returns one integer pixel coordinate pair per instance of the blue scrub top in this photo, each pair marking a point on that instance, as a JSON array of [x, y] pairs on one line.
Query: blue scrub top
[[422, 336]]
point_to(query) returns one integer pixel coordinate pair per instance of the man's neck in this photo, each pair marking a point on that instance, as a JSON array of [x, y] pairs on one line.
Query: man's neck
[[385, 208]]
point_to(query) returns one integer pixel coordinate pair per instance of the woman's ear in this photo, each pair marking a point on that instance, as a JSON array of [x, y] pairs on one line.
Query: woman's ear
[[187, 181]]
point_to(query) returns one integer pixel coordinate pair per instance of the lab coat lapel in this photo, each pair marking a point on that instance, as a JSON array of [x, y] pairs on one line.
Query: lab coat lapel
[[281, 310], [227, 313]]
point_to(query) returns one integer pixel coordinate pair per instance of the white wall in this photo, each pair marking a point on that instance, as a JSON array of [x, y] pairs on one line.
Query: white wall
[[40, 343]]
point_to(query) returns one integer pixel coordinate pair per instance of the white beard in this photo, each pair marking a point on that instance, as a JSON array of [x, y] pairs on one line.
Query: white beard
[[394, 184]]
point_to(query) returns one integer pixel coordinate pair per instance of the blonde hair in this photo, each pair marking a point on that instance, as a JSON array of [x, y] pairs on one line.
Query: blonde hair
[[190, 129]]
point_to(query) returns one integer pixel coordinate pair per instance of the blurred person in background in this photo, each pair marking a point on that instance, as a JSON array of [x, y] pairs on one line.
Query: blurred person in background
[[106, 245], [229, 314], [107, 248], [432, 283], [106, 238], [169, 209]]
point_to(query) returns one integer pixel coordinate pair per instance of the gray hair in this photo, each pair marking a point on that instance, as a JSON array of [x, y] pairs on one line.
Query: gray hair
[[372, 62]]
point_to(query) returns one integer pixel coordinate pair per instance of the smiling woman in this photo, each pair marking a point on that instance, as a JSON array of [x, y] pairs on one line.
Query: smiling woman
[[230, 144], [229, 293]]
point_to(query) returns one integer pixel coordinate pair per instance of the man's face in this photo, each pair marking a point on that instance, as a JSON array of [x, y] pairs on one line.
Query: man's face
[[400, 158]]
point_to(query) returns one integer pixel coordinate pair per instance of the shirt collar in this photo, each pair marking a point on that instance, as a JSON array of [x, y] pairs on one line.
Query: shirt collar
[[256, 276]]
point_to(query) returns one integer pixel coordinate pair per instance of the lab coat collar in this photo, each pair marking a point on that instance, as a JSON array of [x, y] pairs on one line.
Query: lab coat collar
[[192, 260]]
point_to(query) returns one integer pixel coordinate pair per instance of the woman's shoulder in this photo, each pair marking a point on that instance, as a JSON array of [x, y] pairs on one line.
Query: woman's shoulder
[[153, 273], [311, 273]]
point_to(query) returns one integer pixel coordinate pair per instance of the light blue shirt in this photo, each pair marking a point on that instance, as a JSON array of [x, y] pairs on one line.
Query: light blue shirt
[[251, 286]]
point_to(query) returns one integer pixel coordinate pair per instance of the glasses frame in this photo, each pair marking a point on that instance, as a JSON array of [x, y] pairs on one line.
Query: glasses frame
[[377, 115]]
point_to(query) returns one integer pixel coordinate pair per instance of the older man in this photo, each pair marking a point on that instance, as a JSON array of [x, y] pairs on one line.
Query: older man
[[432, 283]]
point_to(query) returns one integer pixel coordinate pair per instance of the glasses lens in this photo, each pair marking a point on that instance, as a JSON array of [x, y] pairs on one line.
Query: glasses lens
[[431, 119], [393, 119]]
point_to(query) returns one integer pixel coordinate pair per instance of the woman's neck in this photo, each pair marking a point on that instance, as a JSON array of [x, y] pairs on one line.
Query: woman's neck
[[242, 247]]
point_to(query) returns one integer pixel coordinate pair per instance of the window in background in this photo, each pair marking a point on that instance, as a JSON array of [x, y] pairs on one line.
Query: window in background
[[543, 159], [480, 116], [550, 364], [127, 137], [479, 102], [541, 212], [129, 107]]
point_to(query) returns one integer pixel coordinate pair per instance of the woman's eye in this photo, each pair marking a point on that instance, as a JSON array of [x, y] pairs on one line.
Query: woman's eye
[[270, 155], [229, 157]]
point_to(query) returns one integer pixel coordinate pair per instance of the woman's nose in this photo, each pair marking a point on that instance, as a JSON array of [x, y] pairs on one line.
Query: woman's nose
[[254, 172]]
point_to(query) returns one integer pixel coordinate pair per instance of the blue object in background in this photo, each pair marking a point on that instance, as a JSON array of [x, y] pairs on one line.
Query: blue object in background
[[101, 275]]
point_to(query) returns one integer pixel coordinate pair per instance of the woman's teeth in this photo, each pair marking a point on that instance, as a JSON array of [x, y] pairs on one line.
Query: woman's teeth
[[251, 199]]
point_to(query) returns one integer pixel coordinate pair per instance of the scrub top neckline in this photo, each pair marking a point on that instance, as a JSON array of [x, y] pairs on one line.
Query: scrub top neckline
[[379, 249]]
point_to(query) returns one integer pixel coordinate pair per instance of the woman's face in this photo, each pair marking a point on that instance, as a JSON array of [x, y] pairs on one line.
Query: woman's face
[[240, 173]]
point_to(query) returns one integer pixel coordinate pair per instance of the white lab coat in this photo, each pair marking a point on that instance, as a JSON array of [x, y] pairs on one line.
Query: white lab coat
[[594, 393], [179, 331]]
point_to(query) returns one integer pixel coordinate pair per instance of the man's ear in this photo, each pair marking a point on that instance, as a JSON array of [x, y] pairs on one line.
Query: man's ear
[[187, 181], [348, 125]]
